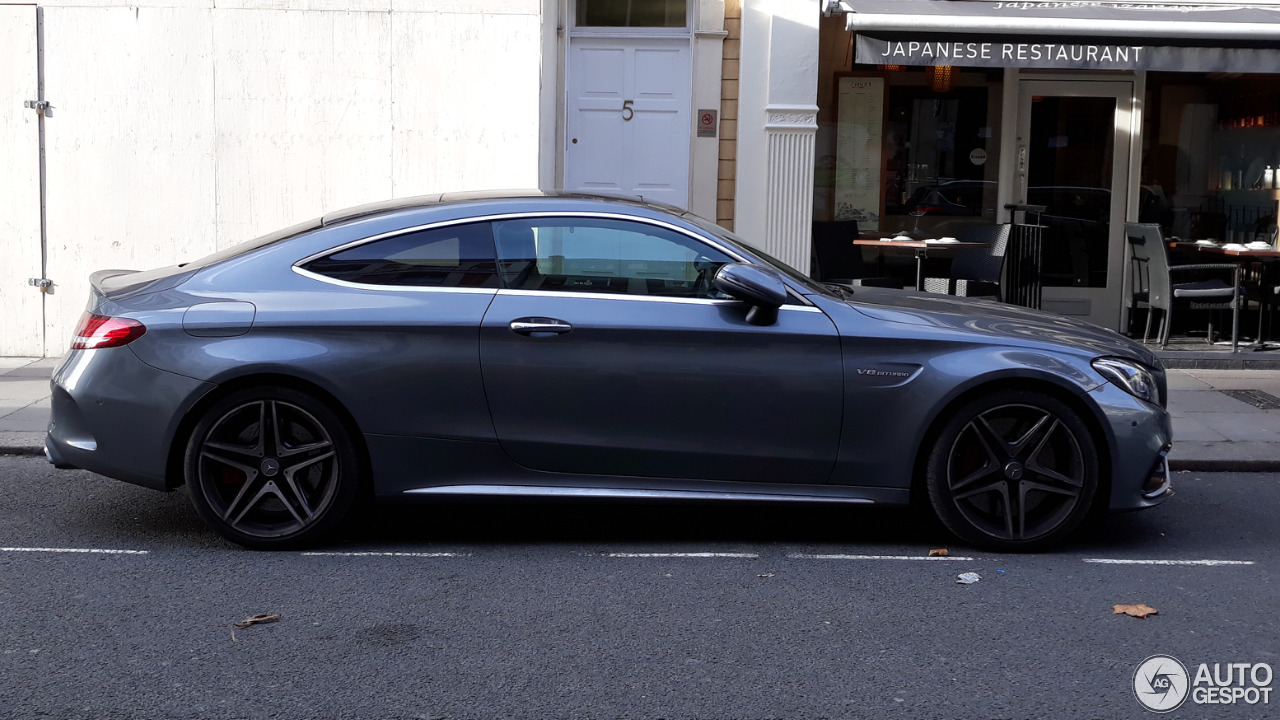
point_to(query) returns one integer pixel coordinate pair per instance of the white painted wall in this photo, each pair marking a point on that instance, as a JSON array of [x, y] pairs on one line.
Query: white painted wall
[[777, 118], [129, 149], [181, 128], [21, 305]]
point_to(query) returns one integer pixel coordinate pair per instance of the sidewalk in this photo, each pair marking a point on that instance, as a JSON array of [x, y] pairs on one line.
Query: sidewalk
[[1213, 429]]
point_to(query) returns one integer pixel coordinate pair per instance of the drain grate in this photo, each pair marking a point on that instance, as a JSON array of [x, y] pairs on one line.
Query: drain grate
[[1256, 398]]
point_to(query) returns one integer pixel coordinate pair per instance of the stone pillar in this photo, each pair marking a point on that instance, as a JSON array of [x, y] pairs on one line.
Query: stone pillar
[[790, 130], [778, 119]]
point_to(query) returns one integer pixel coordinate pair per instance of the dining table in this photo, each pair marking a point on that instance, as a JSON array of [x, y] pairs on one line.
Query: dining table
[[1245, 255], [921, 249]]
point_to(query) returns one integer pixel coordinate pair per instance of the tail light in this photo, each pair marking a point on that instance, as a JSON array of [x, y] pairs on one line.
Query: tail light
[[99, 331]]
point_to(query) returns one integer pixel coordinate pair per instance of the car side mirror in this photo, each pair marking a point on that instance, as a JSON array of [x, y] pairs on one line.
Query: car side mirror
[[759, 287]]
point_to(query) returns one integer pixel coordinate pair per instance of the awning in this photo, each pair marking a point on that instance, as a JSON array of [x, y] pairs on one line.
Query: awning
[[1205, 36]]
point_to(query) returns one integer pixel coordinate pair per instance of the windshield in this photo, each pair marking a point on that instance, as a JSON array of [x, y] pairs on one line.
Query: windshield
[[794, 275]]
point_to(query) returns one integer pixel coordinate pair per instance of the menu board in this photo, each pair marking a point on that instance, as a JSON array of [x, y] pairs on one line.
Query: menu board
[[859, 130]]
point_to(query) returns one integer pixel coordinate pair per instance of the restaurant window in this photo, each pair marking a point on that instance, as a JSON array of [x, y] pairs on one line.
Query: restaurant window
[[631, 13], [1210, 156], [904, 150]]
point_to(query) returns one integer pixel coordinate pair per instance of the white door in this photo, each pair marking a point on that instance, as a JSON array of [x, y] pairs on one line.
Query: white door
[[629, 123], [22, 319], [1073, 157]]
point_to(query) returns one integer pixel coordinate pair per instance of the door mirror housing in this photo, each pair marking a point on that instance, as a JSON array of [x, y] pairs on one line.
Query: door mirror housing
[[759, 287]]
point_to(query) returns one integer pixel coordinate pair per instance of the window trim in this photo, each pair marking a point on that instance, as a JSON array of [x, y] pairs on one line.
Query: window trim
[[576, 30], [712, 241]]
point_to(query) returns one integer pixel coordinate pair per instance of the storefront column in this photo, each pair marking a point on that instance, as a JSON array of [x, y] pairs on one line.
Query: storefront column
[[778, 119]]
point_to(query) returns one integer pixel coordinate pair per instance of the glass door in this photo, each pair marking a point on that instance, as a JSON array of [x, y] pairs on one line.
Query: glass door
[[1072, 158]]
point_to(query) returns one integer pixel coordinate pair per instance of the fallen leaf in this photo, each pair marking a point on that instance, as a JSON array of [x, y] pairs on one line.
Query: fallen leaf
[[939, 552], [257, 620], [1138, 611]]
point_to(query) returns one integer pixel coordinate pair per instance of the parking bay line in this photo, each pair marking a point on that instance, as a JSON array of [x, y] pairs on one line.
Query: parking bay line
[[389, 554], [1211, 563], [749, 556], [799, 556], [95, 551]]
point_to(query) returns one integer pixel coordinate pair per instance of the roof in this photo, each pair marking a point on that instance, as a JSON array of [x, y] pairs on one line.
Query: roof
[[420, 201]]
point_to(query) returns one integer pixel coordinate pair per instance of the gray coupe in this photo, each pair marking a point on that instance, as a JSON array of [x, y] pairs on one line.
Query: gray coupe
[[537, 344]]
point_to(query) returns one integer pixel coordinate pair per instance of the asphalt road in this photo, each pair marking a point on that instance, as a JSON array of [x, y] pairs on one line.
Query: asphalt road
[[496, 610]]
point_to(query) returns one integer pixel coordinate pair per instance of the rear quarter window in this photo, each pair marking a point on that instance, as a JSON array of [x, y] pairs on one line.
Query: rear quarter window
[[451, 256]]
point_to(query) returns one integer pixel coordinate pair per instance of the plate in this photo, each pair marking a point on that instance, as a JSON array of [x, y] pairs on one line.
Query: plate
[[1207, 242], [1259, 245], [1234, 246]]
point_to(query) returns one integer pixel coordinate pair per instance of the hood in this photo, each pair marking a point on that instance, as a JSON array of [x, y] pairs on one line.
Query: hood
[[996, 320]]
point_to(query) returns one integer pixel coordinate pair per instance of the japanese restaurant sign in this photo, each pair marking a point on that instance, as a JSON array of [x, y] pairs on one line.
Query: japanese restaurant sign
[[1065, 53], [1206, 36]]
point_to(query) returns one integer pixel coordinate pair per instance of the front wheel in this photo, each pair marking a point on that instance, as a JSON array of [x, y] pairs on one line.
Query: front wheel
[[1013, 471], [271, 468]]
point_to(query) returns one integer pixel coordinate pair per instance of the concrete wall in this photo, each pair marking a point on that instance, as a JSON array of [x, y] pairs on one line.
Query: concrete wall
[[21, 314], [777, 121], [181, 128]]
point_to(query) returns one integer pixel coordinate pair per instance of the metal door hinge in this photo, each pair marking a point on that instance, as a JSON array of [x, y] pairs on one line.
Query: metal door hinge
[[43, 107], [43, 283]]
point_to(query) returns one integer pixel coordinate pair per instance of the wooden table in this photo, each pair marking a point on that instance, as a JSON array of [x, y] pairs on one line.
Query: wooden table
[[921, 249], [1244, 257], [1271, 253]]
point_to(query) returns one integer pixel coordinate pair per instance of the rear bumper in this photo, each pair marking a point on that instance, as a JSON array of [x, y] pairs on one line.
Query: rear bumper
[[114, 415]]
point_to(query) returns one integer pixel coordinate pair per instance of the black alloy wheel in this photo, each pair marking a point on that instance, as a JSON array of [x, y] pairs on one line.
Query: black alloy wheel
[[1013, 471], [271, 468]]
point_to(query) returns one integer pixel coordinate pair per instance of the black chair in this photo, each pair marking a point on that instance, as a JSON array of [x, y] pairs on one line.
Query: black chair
[[975, 273], [1153, 284], [837, 260]]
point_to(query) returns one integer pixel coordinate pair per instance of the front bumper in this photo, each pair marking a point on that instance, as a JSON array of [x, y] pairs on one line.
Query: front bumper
[[114, 415], [1140, 437]]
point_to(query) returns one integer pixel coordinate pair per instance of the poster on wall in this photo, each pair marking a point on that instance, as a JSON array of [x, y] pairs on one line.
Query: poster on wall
[[860, 119]]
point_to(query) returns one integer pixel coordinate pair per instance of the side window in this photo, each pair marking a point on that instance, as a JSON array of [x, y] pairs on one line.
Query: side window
[[452, 256], [605, 256]]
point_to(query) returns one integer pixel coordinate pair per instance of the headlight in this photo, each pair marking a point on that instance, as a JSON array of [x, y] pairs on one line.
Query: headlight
[[1134, 378]]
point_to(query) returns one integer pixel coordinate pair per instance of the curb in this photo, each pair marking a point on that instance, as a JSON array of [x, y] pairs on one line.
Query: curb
[[22, 450], [22, 442], [1242, 466], [1244, 360]]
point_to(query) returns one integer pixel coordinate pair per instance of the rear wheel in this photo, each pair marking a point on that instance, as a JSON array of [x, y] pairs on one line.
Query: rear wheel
[[271, 468], [1013, 471]]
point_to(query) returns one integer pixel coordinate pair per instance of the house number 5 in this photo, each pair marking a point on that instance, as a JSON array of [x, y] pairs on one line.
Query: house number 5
[[627, 112]]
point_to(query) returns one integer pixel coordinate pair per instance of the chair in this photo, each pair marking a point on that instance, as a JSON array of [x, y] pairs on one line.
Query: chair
[[975, 273], [837, 260], [1153, 284]]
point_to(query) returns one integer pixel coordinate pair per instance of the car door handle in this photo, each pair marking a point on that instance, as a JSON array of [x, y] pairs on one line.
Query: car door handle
[[539, 327]]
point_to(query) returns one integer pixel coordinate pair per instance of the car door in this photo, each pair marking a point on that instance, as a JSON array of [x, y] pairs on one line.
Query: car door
[[609, 352]]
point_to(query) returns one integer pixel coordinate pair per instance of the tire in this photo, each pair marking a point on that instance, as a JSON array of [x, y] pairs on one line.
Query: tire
[[272, 468], [1013, 471]]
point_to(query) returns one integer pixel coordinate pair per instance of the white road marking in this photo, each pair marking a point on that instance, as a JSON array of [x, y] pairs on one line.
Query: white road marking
[[1110, 561], [684, 555], [96, 551], [878, 557], [391, 554]]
